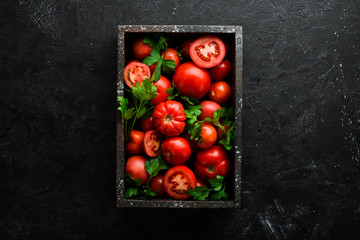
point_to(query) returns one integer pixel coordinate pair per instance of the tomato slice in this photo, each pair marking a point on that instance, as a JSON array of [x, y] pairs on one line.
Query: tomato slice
[[207, 51], [152, 140], [136, 72], [178, 180]]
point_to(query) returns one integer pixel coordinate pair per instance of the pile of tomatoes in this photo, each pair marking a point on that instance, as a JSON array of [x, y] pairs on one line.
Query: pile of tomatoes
[[201, 72]]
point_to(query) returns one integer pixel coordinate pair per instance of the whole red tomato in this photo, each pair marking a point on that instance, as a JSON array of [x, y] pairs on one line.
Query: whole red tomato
[[140, 49], [176, 150], [136, 141], [208, 135], [157, 185], [135, 167], [178, 180], [147, 124], [220, 92], [208, 109], [211, 162], [169, 118], [162, 85], [192, 80], [221, 71]]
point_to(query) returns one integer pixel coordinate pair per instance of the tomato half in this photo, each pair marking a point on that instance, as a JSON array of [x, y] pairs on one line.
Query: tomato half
[[208, 135], [162, 85], [208, 109], [207, 51], [221, 71], [220, 92], [136, 72], [169, 118], [147, 124], [152, 140], [135, 167], [211, 162], [176, 150], [157, 185], [178, 180], [140, 49], [136, 142], [192, 80]]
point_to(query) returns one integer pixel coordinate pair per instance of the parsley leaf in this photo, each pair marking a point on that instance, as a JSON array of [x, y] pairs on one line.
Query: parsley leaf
[[173, 92], [217, 186], [220, 195], [217, 182], [155, 165], [168, 66], [199, 193]]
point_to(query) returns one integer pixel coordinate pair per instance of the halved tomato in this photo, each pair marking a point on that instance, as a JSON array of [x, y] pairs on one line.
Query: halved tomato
[[152, 140], [136, 72], [178, 180], [207, 51]]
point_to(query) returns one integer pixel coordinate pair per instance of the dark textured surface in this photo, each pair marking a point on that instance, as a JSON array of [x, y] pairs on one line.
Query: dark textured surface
[[301, 124]]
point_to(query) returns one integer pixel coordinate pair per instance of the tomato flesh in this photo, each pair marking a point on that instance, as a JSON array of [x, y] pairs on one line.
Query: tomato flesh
[[152, 140], [178, 180], [136, 72]]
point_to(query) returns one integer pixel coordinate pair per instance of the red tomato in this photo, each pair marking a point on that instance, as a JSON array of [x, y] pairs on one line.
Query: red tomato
[[134, 61], [220, 92], [136, 72], [211, 162], [221, 71], [135, 167], [157, 185], [147, 124], [192, 143], [162, 85], [152, 140], [221, 132], [208, 136], [172, 54], [199, 183], [186, 46], [152, 68], [207, 51], [136, 142], [192, 80], [140, 49], [176, 150], [169, 118], [208, 108], [178, 180]]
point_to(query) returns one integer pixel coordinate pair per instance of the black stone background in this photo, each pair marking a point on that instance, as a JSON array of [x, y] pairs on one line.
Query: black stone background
[[301, 120]]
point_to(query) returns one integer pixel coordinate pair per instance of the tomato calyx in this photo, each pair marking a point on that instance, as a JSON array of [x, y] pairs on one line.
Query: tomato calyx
[[210, 169]]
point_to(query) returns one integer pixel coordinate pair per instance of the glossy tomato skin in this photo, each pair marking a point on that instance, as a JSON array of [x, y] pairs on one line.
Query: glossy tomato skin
[[207, 51], [208, 109], [221, 71], [136, 141], [211, 162], [169, 118], [147, 124], [178, 180], [135, 167], [199, 183], [220, 92], [162, 85], [185, 47], [194, 148], [135, 72], [140, 49], [157, 185], [152, 143], [176, 150], [208, 136], [172, 54], [192, 80]]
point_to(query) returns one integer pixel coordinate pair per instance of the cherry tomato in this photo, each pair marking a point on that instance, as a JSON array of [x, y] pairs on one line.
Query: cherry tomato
[[135, 167], [169, 118], [220, 92], [157, 185], [199, 183], [192, 80], [147, 124], [135, 72], [176, 150], [208, 109], [162, 85], [178, 180], [140, 49], [186, 46], [221, 71], [152, 140], [192, 143], [211, 162], [208, 136], [136, 142], [207, 51]]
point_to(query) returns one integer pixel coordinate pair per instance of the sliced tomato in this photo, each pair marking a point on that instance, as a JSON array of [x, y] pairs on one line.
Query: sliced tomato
[[178, 180], [152, 140], [136, 72], [207, 51]]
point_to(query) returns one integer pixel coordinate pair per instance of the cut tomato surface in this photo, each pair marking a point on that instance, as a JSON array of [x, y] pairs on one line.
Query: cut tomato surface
[[178, 180], [152, 143], [136, 72]]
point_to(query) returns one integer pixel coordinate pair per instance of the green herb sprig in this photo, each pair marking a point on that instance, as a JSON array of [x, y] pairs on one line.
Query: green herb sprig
[[217, 187]]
